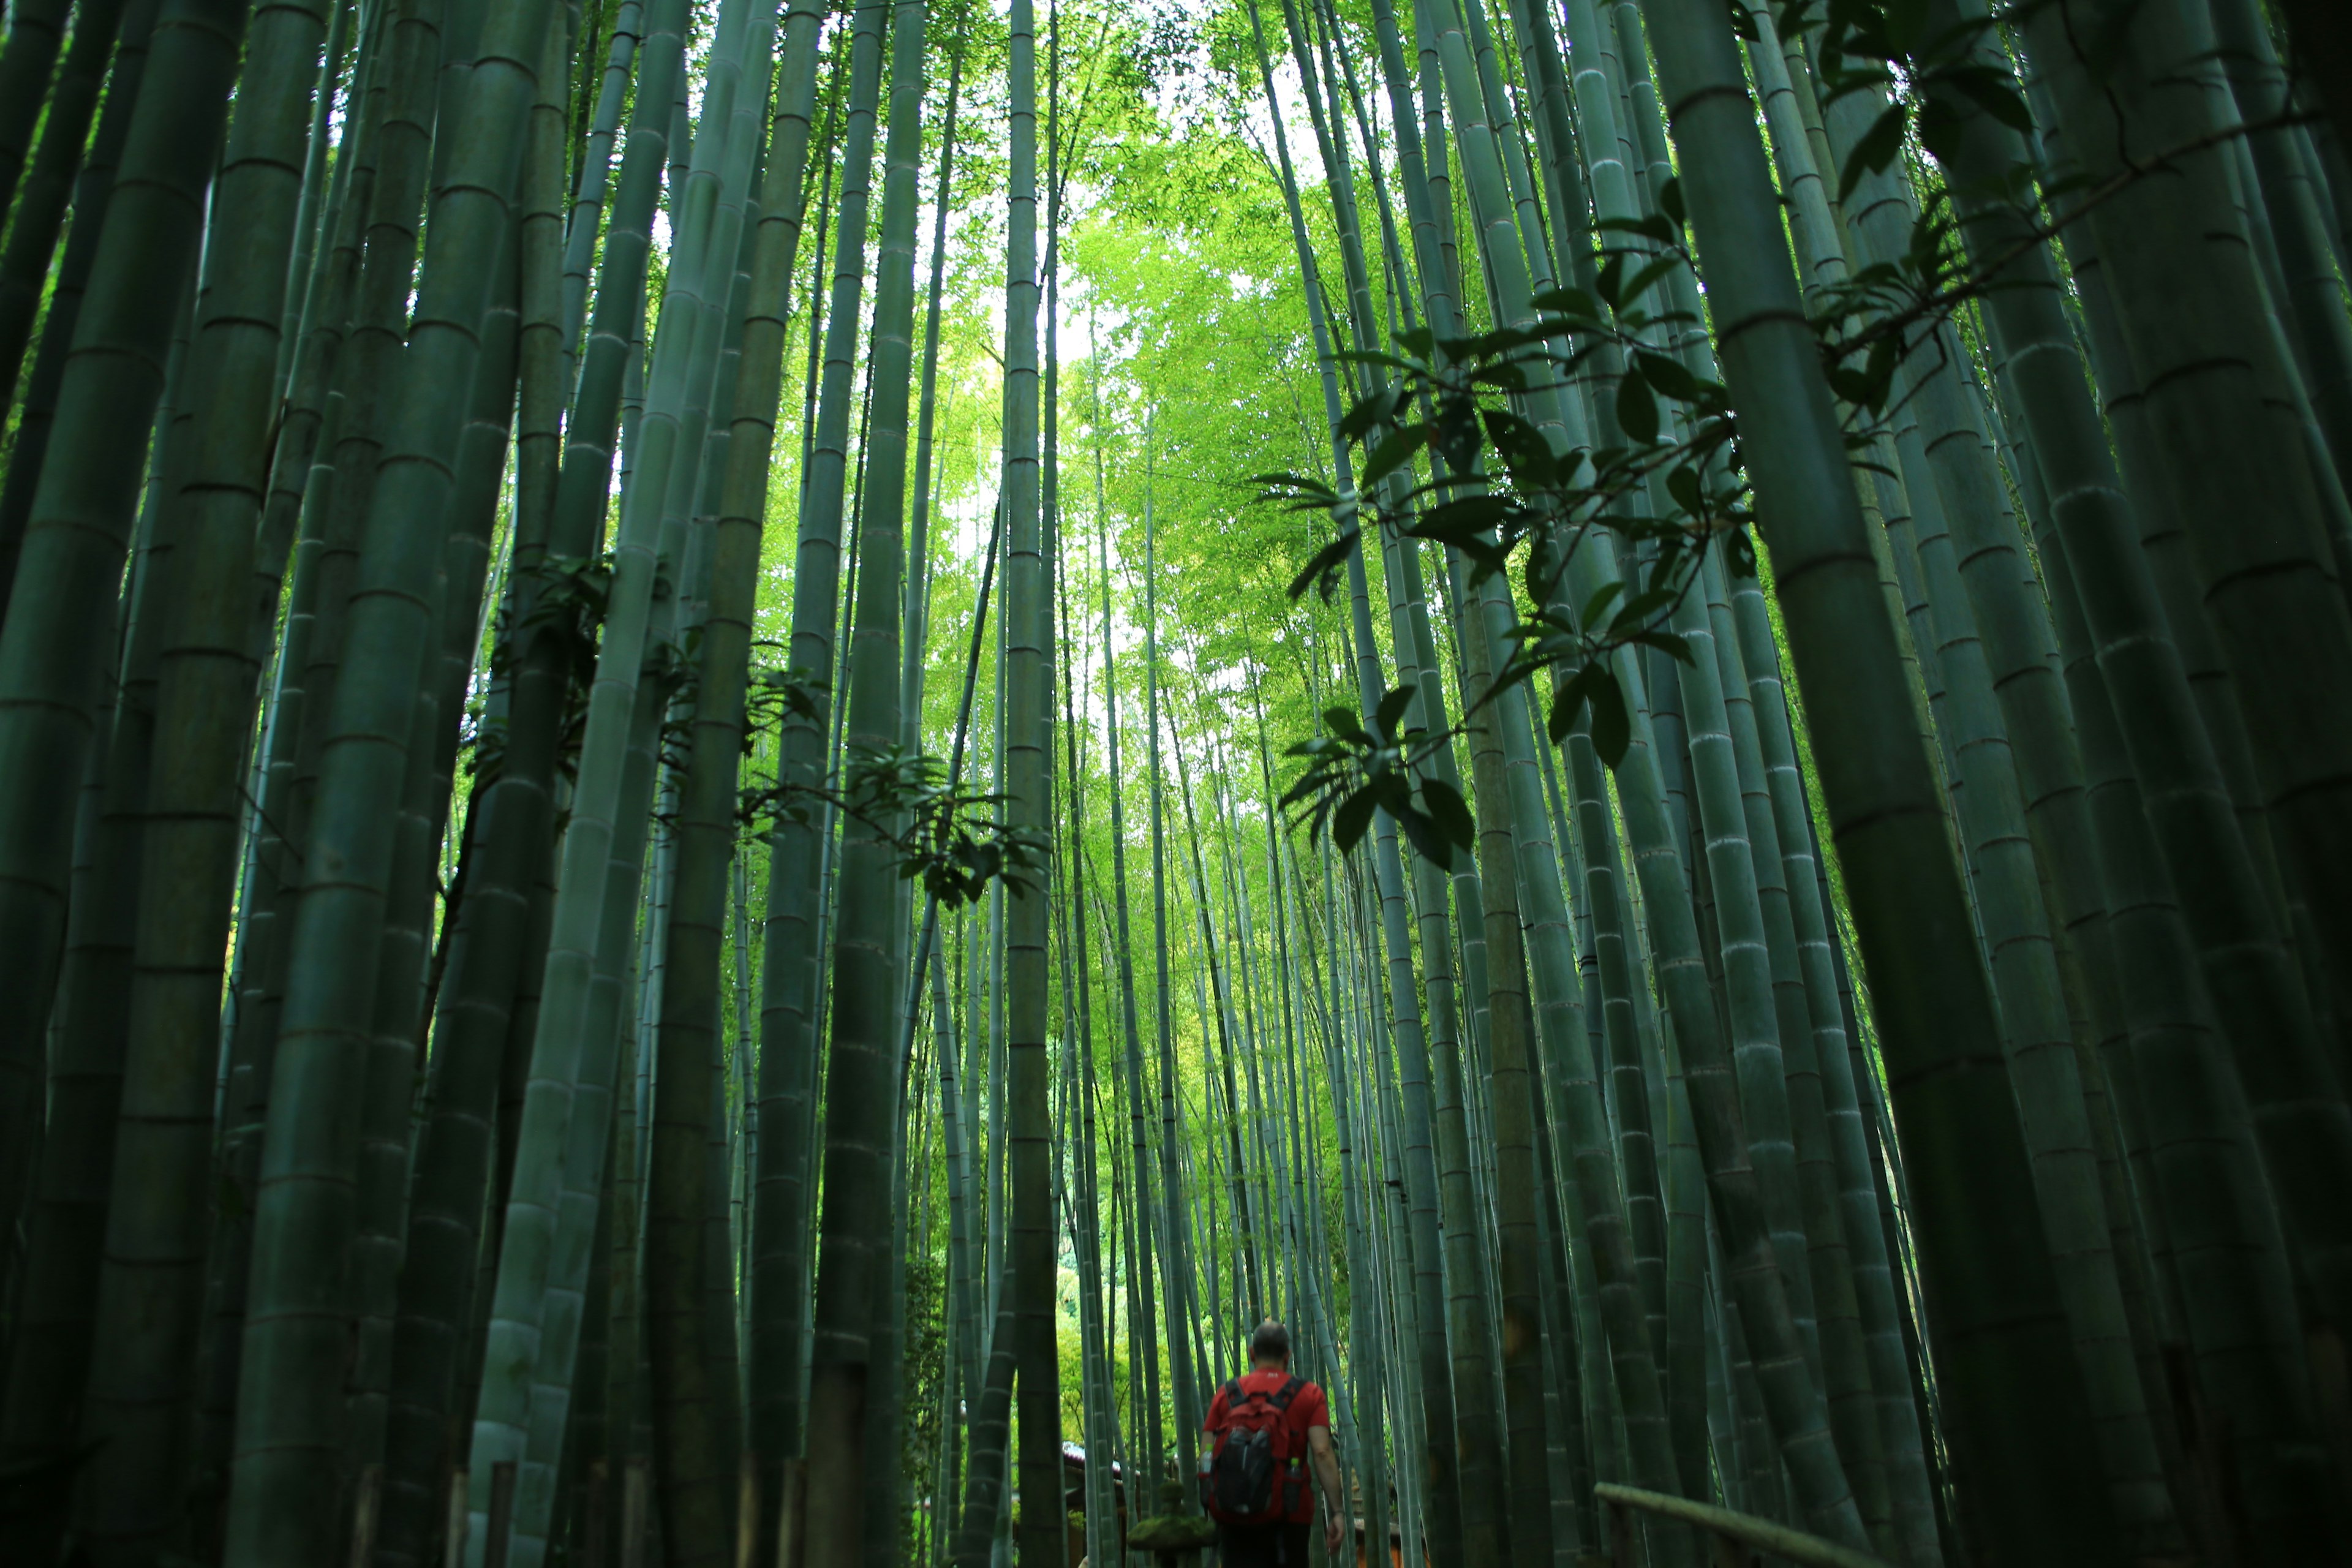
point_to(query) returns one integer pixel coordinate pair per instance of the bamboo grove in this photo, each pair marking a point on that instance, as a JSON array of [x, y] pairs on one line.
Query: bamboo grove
[[756, 755]]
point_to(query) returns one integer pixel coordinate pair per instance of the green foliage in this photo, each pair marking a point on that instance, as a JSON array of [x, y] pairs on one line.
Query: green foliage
[[953, 839], [564, 611], [1507, 498], [1438, 825], [924, 1348]]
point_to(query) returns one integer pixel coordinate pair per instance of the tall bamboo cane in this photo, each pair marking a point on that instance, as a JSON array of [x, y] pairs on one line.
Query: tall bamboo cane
[[2022, 1433], [861, 1076], [80, 516], [282, 1500], [48, 184]]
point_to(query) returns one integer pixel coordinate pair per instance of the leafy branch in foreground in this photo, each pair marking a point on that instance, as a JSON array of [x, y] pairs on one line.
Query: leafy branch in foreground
[[1927, 81], [955, 840], [1515, 500], [1329, 798], [566, 604]]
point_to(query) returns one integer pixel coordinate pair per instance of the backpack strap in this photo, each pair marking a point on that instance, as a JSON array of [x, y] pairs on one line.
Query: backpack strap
[[1282, 1398], [1234, 1395]]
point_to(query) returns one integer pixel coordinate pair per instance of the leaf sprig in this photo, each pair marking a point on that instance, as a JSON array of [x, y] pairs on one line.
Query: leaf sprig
[[1353, 772], [1514, 501]]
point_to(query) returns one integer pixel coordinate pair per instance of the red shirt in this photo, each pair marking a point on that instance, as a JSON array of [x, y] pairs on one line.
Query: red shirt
[[1307, 1409]]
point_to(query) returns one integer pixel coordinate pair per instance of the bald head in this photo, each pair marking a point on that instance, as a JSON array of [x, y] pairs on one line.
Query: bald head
[[1270, 1344]]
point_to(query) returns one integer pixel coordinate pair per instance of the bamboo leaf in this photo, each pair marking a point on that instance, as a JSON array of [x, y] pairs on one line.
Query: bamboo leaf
[[1395, 450], [1354, 816], [1448, 811], [1612, 728], [1345, 725], [1876, 149], [1670, 643], [1642, 606], [1573, 302], [1465, 514], [1642, 282], [1683, 484], [1597, 605], [1567, 704], [1670, 376], [1991, 89], [1637, 411], [1653, 225], [1612, 273], [1322, 569], [1367, 412]]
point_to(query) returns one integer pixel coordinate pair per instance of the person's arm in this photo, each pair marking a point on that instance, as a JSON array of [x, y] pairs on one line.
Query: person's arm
[[1324, 1460]]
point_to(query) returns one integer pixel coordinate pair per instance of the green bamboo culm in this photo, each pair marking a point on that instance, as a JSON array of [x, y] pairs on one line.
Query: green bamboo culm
[[2136, 693], [1879, 1074], [478, 1000], [792, 972], [151, 1296], [690, 1348], [1030, 1315], [28, 57], [862, 1070], [48, 181], [24, 282], [282, 1500], [2019, 1420], [79, 524], [2250, 587], [706, 823]]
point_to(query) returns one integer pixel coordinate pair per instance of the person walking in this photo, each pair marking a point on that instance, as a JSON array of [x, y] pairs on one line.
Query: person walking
[[1271, 1433]]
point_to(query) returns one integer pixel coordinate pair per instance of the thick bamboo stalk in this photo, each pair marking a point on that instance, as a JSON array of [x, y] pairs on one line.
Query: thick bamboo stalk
[[582, 222], [313, 215], [560, 1131], [79, 522], [36, 31], [792, 975], [1959, 503], [413, 903], [2250, 584], [1122, 942], [1027, 761], [283, 1499], [1097, 1422], [862, 1069], [1520, 881], [91, 192], [2022, 1431], [1913, 1517], [48, 184]]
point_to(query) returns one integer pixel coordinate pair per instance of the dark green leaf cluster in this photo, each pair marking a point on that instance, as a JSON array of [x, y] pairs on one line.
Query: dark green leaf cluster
[[1887, 44], [559, 608], [1512, 503], [956, 841], [1352, 771]]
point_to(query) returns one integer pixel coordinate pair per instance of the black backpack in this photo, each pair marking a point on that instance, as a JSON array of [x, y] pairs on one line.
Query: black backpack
[[1248, 1481]]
